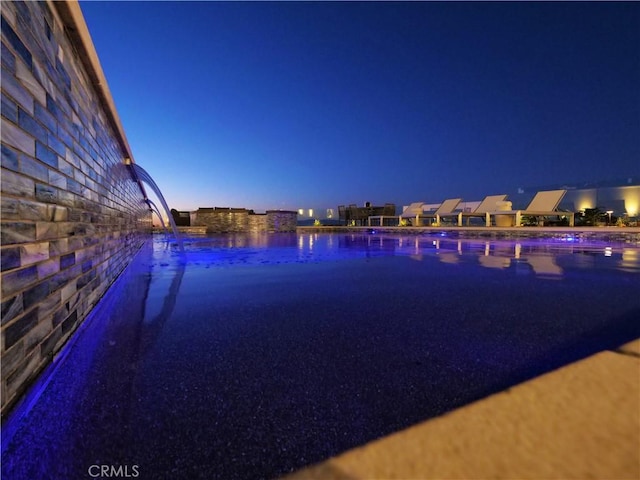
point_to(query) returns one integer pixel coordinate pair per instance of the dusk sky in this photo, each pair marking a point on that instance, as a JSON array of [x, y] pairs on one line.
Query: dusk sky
[[296, 105]]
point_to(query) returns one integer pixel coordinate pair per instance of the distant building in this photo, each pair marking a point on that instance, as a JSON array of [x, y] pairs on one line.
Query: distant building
[[241, 220], [621, 197], [182, 219], [326, 216]]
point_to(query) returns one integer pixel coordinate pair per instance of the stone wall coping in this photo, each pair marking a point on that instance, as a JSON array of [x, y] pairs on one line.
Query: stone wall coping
[[76, 28], [70, 15]]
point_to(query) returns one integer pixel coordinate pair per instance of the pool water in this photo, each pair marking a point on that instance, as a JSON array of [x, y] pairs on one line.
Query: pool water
[[249, 357]]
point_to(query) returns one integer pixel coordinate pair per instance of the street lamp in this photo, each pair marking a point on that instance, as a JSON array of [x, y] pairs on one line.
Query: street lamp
[[609, 212]]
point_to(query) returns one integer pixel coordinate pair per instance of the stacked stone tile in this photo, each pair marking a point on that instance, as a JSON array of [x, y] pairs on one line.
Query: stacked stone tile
[[72, 218], [241, 220], [281, 221]]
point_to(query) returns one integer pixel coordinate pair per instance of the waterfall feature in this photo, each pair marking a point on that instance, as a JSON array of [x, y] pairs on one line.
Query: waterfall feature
[[154, 207], [141, 174]]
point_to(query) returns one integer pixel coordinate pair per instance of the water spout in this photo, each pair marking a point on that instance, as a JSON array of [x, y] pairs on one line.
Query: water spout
[[141, 174], [154, 208]]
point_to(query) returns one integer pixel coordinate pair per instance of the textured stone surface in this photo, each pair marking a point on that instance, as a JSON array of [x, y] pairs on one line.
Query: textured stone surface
[[34, 253], [240, 220], [10, 258], [9, 156], [17, 232], [64, 189], [17, 92], [16, 184]]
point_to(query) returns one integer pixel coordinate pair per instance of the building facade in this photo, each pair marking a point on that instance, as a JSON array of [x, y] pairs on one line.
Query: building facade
[[241, 220]]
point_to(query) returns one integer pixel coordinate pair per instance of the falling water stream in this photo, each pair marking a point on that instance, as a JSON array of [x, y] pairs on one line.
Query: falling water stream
[[144, 176], [154, 207]]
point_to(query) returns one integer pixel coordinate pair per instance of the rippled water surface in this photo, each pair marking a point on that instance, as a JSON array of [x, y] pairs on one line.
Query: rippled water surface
[[249, 357]]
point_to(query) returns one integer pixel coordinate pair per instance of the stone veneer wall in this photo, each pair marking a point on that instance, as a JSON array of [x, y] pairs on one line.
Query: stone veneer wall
[[72, 217], [240, 220], [281, 221]]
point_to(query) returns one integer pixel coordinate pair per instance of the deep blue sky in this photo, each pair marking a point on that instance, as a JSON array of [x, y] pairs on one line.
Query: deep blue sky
[[290, 105]]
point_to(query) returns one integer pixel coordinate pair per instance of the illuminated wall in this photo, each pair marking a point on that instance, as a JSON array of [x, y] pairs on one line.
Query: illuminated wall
[[621, 200], [240, 220], [579, 200], [72, 218]]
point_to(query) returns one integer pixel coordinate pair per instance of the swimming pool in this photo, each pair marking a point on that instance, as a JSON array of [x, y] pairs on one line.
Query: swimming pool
[[252, 356]]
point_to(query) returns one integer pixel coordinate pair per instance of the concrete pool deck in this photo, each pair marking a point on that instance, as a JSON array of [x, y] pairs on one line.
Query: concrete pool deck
[[580, 421]]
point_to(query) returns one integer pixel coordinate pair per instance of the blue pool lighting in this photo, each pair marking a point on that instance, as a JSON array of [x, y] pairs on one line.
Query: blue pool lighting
[[254, 356]]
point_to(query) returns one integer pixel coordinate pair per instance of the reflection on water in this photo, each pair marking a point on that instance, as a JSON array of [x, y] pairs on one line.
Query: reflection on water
[[544, 257], [549, 258], [630, 259], [242, 240], [501, 256]]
